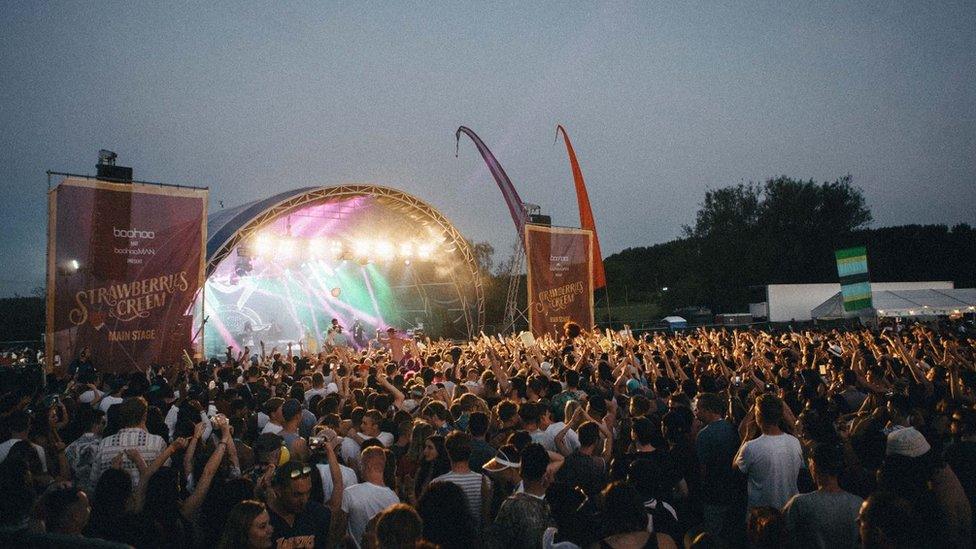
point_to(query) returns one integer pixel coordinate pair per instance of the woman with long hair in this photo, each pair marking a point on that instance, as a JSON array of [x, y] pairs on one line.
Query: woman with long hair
[[248, 525], [410, 462], [111, 517], [163, 501], [434, 464], [223, 496]]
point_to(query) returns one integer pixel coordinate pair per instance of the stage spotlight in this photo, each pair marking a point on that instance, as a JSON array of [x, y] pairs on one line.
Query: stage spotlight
[[425, 250], [286, 248], [406, 249], [384, 249], [363, 248], [316, 247], [263, 244], [336, 249]]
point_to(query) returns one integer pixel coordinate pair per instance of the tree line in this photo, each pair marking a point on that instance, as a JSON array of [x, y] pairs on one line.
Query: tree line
[[783, 231]]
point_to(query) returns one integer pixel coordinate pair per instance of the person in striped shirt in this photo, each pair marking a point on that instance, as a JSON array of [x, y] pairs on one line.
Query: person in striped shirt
[[476, 487]]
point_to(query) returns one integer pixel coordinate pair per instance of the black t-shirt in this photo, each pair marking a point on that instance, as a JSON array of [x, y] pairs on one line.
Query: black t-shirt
[[311, 528], [587, 472], [659, 457], [716, 446], [961, 457]]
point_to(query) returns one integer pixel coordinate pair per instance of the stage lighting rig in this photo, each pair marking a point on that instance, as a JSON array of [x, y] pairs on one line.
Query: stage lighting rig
[[363, 248], [425, 250], [286, 248], [336, 248], [317, 248], [263, 245], [384, 249]]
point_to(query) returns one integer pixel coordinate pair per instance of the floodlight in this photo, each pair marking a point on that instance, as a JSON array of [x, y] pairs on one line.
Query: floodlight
[[316, 246], [384, 249], [263, 244], [425, 250], [363, 247], [286, 248]]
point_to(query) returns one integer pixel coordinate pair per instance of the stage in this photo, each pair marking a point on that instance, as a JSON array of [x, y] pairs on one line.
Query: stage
[[280, 269]]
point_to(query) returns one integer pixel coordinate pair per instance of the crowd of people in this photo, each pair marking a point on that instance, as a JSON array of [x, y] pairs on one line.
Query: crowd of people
[[825, 438]]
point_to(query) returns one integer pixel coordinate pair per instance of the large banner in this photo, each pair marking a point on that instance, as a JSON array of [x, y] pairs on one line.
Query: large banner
[[124, 264], [855, 286], [560, 277]]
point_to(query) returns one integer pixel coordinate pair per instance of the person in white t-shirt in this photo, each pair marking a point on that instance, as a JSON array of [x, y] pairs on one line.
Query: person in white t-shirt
[[536, 420], [19, 424], [318, 387], [772, 461], [367, 499], [108, 400], [571, 438], [276, 419], [369, 428]]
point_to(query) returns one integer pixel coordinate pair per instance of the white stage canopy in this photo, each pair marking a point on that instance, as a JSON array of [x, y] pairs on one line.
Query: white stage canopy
[[904, 303]]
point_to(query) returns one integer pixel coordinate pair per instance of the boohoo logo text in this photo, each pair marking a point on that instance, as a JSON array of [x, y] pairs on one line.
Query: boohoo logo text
[[133, 233]]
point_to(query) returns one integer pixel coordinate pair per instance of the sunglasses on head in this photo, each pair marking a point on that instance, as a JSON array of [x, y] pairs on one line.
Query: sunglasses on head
[[297, 473]]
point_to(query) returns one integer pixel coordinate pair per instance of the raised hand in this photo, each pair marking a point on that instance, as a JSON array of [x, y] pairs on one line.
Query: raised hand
[[135, 457]]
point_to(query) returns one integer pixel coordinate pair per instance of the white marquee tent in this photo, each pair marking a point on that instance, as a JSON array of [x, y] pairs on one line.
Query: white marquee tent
[[904, 303]]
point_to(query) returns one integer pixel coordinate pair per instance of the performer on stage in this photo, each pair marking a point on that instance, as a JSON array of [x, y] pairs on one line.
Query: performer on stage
[[359, 334], [393, 342], [335, 339]]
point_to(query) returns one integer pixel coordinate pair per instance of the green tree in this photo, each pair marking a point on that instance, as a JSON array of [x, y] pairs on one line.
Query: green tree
[[746, 236], [484, 254]]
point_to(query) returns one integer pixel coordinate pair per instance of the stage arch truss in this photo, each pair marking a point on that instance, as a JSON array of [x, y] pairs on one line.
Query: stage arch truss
[[280, 268]]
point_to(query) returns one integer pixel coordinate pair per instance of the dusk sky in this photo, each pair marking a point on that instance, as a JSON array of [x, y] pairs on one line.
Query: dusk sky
[[662, 101]]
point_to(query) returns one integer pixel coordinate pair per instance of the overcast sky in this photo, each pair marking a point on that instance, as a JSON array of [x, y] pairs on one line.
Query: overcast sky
[[662, 101]]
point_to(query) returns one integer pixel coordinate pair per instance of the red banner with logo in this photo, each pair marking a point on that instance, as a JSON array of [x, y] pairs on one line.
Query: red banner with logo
[[560, 277], [125, 262]]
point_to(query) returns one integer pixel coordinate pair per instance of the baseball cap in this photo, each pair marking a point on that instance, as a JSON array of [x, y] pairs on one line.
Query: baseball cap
[[908, 442]]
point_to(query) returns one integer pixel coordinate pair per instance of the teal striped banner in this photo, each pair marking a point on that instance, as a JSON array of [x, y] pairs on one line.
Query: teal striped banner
[[855, 286]]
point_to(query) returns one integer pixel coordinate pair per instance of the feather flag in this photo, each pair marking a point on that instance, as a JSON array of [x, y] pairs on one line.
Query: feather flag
[[515, 205], [586, 213]]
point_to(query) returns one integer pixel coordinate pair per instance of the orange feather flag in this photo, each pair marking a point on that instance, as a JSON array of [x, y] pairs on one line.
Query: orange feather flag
[[586, 213]]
